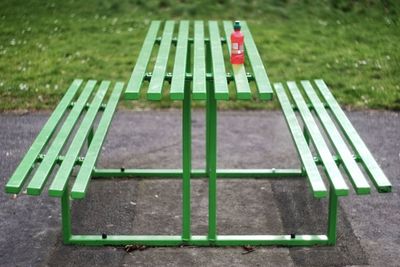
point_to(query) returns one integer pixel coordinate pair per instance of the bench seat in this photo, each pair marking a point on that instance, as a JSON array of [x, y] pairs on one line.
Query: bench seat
[[75, 115], [352, 158]]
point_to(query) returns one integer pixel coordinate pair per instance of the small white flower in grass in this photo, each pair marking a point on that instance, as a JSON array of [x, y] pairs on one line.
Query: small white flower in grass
[[130, 29], [1, 84], [56, 87], [13, 42], [362, 62], [47, 86], [23, 87]]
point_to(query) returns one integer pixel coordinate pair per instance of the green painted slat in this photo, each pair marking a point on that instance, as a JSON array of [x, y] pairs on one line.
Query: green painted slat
[[376, 174], [17, 180], [331, 168], [357, 178], [40, 177], [199, 66], [85, 172], [156, 83], [313, 175], [239, 73], [260, 74], [218, 65], [179, 72], [60, 180], [133, 87]]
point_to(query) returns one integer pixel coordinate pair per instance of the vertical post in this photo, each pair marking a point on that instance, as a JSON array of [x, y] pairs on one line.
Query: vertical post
[[306, 135], [90, 135], [332, 216], [186, 154], [66, 217], [211, 152]]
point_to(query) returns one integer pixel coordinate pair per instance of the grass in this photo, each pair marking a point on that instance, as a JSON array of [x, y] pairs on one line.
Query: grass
[[352, 45]]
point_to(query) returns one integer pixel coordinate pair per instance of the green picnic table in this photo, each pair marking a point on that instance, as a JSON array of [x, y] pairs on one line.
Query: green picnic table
[[201, 72]]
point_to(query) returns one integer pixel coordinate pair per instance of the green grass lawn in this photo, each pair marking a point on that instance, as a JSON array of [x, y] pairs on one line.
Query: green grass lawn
[[352, 45]]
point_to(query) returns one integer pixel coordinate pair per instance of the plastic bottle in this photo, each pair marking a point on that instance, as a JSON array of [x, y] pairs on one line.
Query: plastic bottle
[[237, 44]]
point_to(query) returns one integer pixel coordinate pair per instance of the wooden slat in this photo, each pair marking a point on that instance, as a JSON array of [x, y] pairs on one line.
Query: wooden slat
[[157, 80], [17, 180], [135, 82], [199, 66], [260, 74], [60, 180], [85, 172], [239, 73], [331, 168], [376, 174], [313, 175], [179, 72], [218, 65], [39, 179], [358, 180]]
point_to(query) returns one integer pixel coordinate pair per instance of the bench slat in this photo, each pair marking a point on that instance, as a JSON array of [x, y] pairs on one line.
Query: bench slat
[[199, 66], [314, 177], [357, 178], [40, 177], [239, 73], [17, 180], [85, 172], [179, 72], [260, 74], [376, 174], [331, 168], [157, 80], [135, 82], [59, 183], [218, 65]]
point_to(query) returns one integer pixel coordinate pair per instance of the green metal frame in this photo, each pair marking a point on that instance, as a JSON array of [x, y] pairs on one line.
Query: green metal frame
[[186, 174], [207, 81], [211, 173]]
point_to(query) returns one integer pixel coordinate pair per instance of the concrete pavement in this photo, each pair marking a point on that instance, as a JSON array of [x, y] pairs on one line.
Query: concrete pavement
[[368, 230]]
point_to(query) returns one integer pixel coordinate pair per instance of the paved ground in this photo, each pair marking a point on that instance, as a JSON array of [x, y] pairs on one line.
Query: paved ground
[[368, 229]]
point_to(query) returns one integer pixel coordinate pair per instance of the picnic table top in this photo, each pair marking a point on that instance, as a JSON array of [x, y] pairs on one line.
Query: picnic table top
[[196, 62]]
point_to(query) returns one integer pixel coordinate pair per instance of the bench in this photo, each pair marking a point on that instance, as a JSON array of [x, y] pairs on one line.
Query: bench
[[201, 73], [43, 156]]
